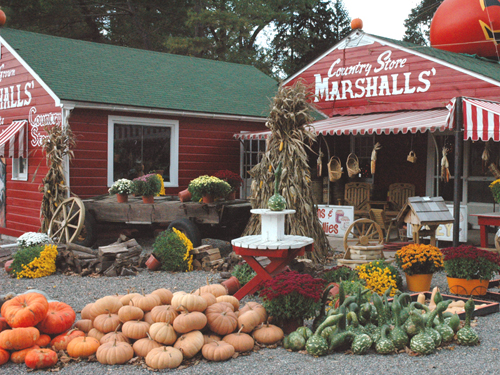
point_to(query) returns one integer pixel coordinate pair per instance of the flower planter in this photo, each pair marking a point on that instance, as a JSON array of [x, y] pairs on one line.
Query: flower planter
[[148, 199], [232, 285], [473, 287], [184, 195], [122, 198], [208, 199], [419, 282], [152, 263], [8, 265], [232, 195]]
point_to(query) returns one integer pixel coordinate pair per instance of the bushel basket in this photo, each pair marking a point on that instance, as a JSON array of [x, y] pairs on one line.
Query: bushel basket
[[352, 165], [334, 169]]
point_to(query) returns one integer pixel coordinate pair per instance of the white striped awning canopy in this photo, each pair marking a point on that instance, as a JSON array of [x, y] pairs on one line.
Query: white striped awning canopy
[[481, 119], [13, 141], [378, 123]]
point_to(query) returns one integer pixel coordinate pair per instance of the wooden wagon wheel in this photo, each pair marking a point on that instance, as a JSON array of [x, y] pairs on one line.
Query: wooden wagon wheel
[[365, 232], [67, 222]]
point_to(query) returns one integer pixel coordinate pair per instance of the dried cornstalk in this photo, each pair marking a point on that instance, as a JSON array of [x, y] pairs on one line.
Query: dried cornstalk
[[58, 143], [288, 120]]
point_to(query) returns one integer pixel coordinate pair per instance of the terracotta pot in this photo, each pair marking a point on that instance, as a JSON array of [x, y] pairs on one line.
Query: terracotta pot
[[474, 287], [7, 265], [208, 199], [184, 195], [232, 285], [148, 199], [122, 198], [232, 195], [290, 325], [419, 282], [152, 263]]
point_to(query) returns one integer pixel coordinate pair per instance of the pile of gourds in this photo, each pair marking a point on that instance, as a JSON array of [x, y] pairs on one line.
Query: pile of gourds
[[387, 327]]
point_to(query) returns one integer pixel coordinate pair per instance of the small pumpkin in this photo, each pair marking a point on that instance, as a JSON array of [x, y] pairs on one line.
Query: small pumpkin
[[176, 299], [216, 289], [164, 314], [114, 353], [143, 346], [356, 23], [61, 342], [105, 305], [43, 341], [135, 329], [18, 338], [190, 344], [129, 312], [20, 355], [84, 325], [25, 310], [164, 357], [190, 321], [164, 333], [164, 294], [125, 300], [209, 337], [248, 321], [107, 322], [209, 298], [95, 333], [192, 302], [256, 307], [114, 336], [221, 319], [148, 318], [4, 356], [41, 358], [232, 300], [85, 313], [268, 334], [60, 317], [241, 342], [146, 302], [82, 347], [217, 351]]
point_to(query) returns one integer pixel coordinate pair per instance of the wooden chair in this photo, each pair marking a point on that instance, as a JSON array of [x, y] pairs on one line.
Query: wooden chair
[[378, 216], [398, 194], [357, 194]]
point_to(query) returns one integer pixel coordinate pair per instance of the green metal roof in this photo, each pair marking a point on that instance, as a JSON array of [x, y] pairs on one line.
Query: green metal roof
[[473, 63], [101, 73]]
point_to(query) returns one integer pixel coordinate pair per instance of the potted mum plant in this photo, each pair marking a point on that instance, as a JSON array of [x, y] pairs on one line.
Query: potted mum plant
[[233, 179], [419, 262], [469, 269], [148, 186], [208, 188], [291, 297], [172, 249], [122, 188]]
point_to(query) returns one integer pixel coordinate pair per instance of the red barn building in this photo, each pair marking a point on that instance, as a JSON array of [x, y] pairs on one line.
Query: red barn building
[[131, 111]]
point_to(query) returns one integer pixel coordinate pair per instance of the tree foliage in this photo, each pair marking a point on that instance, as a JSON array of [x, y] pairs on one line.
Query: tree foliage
[[419, 21]]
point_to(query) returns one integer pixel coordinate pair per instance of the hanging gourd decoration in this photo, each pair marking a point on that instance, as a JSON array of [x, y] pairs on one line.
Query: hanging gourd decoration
[[277, 202], [374, 156], [319, 163], [485, 157], [445, 165]]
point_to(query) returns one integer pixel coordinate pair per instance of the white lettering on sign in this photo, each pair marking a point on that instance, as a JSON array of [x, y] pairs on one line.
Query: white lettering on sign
[[371, 86], [6, 73], [38, 122], [16, 95]]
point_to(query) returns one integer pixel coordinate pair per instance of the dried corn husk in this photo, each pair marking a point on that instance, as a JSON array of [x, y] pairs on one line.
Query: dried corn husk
[[374, 156], [445, 172]]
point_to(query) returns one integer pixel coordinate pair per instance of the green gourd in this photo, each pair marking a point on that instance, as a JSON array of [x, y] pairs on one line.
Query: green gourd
[[421, 343], [384, 345], [341, 341], [453, 322], [444, 329], [409, 326], [379, 305], [354, 326], [404, 300], [328, 331], [304, 331], [322, 314], [277, 202], [361, 344], [317, 345], [294, 341], [467, 335], [398, 335], [364, 313], [436, 336]]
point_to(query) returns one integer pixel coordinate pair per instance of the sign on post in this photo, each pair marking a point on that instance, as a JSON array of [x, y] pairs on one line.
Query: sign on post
[[335, 220]]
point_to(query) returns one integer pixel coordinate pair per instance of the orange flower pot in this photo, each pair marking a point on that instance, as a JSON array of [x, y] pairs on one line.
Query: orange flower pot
[[122, 198], [184, 195], [208, 199], [474, 287], [148, 199], [419, 282]]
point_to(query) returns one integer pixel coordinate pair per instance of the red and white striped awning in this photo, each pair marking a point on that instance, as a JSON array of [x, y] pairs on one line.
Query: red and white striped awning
[[13, 140], [481, 118], [378, 123]]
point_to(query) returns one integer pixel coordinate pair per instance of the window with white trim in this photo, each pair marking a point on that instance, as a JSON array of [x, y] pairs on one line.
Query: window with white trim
[[252, 151], [20, 169], [138, 146]]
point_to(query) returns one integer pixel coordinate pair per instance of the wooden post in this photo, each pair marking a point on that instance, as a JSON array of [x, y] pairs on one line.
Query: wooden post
[[457, 182]]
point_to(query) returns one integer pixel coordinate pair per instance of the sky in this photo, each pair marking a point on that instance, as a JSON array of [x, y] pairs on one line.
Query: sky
[[381, 17]]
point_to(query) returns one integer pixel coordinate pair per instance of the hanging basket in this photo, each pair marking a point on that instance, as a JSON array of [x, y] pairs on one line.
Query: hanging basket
[[412, 158], [352, 165], [334, 169]]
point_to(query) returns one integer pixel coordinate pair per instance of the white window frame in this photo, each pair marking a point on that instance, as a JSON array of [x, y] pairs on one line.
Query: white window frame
[[143, 121], [16, 175]]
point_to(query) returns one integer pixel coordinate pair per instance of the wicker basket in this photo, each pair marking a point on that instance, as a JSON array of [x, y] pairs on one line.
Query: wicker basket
[[412, 158], [334, 169], [352, 165]]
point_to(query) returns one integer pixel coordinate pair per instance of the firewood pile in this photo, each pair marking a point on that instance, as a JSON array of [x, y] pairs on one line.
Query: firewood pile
[[208, 258], [122, 258]]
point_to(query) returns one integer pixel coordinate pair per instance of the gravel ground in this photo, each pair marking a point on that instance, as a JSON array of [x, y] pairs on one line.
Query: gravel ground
[[78, 291]]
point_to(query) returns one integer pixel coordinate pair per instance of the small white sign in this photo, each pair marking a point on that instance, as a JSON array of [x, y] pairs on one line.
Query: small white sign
[[335, 219]]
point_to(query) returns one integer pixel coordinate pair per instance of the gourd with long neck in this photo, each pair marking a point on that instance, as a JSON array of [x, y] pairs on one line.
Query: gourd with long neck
[[361, 343], [398, 335], [384, 345], [436, 336], [422, 342], [404, 300], [467, 335], [322, 314], [277, 202], [444, 329], [317, 345], [410, 326]]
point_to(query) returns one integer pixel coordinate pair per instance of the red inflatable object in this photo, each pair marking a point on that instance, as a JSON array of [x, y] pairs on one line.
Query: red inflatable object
[[467, 26]]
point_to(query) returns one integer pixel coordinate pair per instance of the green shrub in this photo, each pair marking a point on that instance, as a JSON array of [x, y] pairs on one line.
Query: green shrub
[[172, 252], [25, 256], [243, 272], [336, 274]]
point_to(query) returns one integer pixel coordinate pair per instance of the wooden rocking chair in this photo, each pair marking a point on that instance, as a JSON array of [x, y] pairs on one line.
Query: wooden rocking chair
[[378, 216], [398, 195], [357, 194]]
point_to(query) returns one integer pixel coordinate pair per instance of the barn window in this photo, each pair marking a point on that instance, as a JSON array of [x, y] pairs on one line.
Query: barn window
[[20, 169], [138, 146], [252, 151]]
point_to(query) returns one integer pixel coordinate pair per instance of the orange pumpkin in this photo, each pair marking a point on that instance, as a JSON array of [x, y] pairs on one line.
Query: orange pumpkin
[[3, 18], [125, 300], [257, 307], [164, 314], [221, 319], [25, 310], [95, 333], [190, 344], [163, 333], [82, 347], [190, 321], [4, 356], [216, 289], [60, 317], [230, 299], [143, 346], [114, 353], [241, 342], [356, 23], [148, 318], [193, 302], [43, 341], [85, 314], [105, 305], [18, 338], [135, 329], [217, 351], [113, 336], [164, 357], [41, 358], [268, 334], [146, 302], [248, 321], [61, 342], [3, 324], [127, 313], [20, 355], [106, 322], [84, 325], [164, 294]]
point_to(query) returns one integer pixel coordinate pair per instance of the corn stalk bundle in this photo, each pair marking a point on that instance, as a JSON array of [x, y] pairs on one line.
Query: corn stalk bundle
[[58, 143], [289, 121]]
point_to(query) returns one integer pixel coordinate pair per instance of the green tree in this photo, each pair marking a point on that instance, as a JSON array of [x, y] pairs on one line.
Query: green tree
[[419, 21]]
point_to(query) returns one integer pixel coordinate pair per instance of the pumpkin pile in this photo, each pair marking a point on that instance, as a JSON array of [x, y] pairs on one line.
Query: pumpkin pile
[[27, 326]]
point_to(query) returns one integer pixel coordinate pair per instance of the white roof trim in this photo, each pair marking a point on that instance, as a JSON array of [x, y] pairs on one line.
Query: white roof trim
[[53, 95]]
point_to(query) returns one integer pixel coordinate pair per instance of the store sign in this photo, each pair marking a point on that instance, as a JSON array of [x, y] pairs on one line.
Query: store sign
[[38, 122], [335, 220], [385, 78]]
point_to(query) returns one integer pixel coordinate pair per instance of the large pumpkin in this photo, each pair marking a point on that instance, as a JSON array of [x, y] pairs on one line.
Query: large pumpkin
[[61, 342], [41, 358], [18, 338], [4, 356], [60, 317], [190, 343], [221, 319], [3, 324], [82, 347], [20, 355], [164, 357], [43, 341], [25, 310], [114, 353]]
